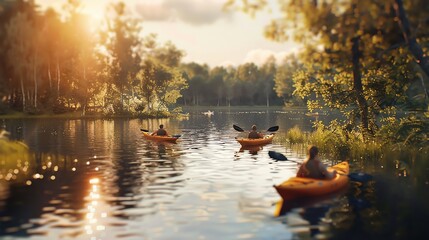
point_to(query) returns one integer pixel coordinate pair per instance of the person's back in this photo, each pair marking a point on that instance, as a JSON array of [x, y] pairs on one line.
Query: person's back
[[313, 167], [161, 132], [313, 170], [254, 134]]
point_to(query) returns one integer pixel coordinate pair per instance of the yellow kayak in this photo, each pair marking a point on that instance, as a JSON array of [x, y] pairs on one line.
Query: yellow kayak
[[160, 138], [255, 141], [297, 187]]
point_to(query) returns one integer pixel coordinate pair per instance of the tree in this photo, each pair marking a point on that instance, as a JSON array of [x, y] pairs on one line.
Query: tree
[[268, 71], [284, 84], [79, 46], [349, 49], [18, 31], [121, 40], [247, 76], [195, 75]]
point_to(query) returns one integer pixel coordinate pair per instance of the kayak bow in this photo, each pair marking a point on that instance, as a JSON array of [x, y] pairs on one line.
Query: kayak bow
[[298, 187], [255, 141], [160, 138]]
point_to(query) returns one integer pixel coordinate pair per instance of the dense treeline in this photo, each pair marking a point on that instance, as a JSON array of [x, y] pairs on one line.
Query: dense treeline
[[364, 58], [58, 63], [247, 84]]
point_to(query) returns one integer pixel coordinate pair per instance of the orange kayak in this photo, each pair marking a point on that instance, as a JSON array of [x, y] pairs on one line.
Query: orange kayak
[[297, 187], [160, 138], [255, 141]]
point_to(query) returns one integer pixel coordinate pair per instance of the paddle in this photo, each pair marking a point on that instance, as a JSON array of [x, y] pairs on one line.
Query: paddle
[[237, 128], [271, 129], [175, 135], [357, 177]]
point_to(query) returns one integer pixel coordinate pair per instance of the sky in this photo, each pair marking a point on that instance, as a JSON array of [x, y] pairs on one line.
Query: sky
[[200, 28]]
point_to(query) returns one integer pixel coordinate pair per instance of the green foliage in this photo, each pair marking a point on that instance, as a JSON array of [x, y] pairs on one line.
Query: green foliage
[[246, 84], [354, 57], [296, 135], [336, 141], [411, 131], [284, 84], [53, 63]]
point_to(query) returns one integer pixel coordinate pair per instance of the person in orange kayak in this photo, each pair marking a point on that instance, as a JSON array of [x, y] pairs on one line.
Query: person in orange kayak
[[161, 131], [313, 167], [254, 133]]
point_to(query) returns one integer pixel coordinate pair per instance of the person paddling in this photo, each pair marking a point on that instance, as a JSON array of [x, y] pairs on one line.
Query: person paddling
[[254, 134], [313, 167], [161, 131]]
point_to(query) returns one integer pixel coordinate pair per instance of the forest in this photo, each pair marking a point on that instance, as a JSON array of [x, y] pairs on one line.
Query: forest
[[367, 59], [57, 63]]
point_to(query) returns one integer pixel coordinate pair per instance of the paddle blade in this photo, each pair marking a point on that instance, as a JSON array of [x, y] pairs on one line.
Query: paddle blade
[[273, 129], [237, 128], [360, 177], [176, 135], [144, 130], [277, 156]]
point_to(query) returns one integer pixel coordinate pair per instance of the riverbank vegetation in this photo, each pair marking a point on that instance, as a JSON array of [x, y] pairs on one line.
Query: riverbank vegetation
[[408, 136], [365, 59]]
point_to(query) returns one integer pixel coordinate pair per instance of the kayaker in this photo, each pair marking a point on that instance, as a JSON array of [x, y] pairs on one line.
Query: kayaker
[[161, 131], [254, 133], [313, 167]]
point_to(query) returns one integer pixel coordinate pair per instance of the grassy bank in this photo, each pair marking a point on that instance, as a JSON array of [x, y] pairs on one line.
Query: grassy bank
[[337, 143], [78, 115]]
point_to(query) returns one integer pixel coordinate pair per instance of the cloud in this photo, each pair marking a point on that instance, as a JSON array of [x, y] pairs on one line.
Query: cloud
[[260, 56], [153, 11], [195, 12]]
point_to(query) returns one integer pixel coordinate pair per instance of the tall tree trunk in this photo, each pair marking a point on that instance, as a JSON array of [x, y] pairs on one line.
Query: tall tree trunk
[[22, 92], [268, 98], [410, 39], [122, 97], [85, 98], [58, 78], [424, 88], [35, 80], [357, 87], [49, 76]]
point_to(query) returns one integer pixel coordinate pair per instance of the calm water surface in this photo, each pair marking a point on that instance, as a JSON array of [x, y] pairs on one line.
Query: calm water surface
[[100, 179]]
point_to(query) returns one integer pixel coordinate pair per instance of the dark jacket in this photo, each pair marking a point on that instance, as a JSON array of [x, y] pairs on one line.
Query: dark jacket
[[254, 134], [161, 132]]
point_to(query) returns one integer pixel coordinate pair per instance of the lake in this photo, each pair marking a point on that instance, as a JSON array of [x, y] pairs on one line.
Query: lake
[[100, 179]]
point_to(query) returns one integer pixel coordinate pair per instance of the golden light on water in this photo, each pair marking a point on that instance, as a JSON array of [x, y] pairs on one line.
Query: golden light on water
[[94, 213]]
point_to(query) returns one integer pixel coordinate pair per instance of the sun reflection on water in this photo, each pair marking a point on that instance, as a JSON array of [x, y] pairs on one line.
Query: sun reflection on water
[[94, 213]]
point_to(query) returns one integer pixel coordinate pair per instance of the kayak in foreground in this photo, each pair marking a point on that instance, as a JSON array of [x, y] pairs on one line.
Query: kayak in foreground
[[172, 139], [255, 141], [297, 187]]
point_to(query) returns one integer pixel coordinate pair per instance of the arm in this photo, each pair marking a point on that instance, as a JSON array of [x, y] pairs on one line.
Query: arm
[[302, 171], [324, 170]]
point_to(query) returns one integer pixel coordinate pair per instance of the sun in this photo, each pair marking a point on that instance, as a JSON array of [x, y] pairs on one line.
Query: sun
[[94, 10]]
